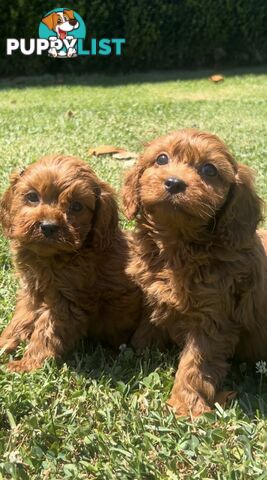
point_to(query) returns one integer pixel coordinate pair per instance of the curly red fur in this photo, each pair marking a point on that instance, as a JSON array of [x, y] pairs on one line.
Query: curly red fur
[[73, 282], [199, 261]]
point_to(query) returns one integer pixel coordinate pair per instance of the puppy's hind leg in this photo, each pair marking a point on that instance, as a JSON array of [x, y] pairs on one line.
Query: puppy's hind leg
[[55, 332], [149, 335], [20, 327]]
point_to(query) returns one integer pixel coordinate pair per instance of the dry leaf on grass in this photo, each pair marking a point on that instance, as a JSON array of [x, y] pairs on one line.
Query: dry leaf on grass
[[216, 78], [125, 155], [105, 150], [130, 162], [70, 114]]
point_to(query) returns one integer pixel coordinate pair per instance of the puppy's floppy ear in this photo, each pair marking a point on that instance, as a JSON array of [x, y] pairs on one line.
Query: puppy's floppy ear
[[242, 212], [50, 20], [6, 203], [70, 13], [106, 217], [130, 195]]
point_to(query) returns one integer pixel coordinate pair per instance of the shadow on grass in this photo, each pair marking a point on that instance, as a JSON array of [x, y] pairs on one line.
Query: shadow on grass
[[251, 389], [131, 370], [96, 362], [102, 80]]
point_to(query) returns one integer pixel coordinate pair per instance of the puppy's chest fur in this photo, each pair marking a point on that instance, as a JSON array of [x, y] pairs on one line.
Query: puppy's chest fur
[[185, 286], [65, 278], [86, 293]]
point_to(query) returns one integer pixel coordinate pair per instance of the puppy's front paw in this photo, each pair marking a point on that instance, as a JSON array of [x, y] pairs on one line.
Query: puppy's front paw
[[24, 365], [71, 52], [8, 344], [52, 52], [195, 406]]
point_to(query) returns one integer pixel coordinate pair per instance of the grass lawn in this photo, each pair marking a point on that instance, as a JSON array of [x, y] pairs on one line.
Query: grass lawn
[[101, 416]]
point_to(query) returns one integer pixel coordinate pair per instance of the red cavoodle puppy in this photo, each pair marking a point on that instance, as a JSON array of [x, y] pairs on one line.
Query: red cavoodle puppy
[[70, 256], [198, 259]]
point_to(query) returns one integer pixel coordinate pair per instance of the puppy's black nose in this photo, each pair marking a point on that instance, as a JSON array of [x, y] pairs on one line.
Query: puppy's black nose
[[73, 22], [48, 228], [175, 185]]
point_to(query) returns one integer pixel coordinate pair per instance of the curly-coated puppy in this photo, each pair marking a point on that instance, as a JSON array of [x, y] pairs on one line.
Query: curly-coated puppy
[[70, 257], [198, 259]]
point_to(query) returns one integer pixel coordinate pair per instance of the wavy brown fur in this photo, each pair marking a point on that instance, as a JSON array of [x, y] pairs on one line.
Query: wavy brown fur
[[199, 261], [73, 284]]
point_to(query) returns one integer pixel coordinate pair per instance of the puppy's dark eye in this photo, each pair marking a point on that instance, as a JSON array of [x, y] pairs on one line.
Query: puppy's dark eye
[[76, 206], [208, 170], [32, 197], [59, 21], [162, 159]]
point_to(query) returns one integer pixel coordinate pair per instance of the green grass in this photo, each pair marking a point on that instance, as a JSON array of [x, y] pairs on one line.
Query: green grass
[[102, 416]]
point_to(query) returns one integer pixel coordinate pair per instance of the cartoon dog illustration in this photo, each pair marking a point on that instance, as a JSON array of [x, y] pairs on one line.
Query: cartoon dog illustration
[[62, 23]]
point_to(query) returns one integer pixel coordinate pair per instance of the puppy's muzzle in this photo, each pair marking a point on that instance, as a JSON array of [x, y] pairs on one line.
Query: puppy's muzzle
[[49, 228], [175, 185]]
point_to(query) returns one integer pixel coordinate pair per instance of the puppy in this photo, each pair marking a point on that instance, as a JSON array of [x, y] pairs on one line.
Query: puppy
[[62, 23], [70, 256], [199, 260]]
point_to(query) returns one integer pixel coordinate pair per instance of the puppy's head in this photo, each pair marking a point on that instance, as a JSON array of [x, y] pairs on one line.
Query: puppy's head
[[58, 205], [189, 183], [61, 22]]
